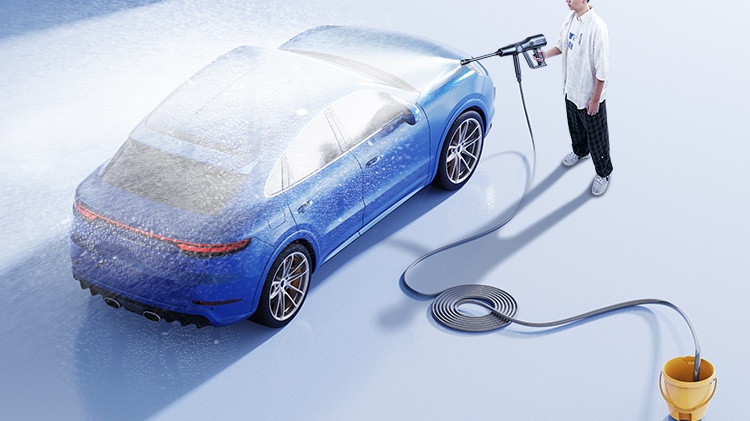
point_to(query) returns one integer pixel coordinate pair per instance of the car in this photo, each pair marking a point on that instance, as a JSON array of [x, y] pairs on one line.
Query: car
[[262, 166]]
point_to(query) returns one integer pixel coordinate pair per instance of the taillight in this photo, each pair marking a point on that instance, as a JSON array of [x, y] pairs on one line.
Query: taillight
[[209, 250], [85, 212], [189, 248]]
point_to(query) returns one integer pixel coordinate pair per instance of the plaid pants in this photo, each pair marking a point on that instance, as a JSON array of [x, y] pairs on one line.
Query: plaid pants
[[589, 134]]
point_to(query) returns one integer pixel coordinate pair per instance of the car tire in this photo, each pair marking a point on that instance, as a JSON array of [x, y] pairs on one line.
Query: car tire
[[461, 151], [285, 288]]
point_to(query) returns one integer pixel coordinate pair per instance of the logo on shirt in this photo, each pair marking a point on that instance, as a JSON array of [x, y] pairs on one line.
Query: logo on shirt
[[572, 40]]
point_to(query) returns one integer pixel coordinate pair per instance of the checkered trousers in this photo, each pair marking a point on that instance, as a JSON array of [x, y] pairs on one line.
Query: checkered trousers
[[589, 134]]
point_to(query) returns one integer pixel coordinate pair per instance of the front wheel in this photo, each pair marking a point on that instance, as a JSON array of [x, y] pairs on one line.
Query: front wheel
[[461, 151], [285, 288]]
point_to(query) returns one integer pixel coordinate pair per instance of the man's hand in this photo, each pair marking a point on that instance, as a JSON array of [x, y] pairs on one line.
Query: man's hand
[[554, 51], [592, 107], [542, 56]]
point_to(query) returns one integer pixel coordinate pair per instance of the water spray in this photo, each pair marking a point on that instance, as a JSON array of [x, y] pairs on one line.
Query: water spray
[[684, 382]]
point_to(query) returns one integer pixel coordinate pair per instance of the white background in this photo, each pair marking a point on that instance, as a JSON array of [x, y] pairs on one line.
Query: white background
[[76, 77]]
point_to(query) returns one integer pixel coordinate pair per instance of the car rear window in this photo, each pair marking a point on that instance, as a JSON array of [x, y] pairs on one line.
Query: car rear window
[[170, 179]]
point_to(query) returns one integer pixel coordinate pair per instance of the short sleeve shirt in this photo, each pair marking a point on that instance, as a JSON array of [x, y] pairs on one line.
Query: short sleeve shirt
[[584, 43]]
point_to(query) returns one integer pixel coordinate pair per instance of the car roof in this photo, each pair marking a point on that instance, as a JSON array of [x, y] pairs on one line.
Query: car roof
[[248, 99]]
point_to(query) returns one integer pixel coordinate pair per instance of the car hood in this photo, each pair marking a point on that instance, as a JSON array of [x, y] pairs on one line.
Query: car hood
[[422, 64]]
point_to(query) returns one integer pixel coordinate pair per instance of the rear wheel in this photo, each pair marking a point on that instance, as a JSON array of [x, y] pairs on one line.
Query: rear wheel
[[461, 151], [285, 288]]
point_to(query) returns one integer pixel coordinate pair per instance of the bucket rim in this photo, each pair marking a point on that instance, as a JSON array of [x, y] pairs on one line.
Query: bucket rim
[[710, 372]]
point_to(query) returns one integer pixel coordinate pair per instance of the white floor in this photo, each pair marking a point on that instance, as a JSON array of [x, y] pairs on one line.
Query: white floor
[[672, 226]]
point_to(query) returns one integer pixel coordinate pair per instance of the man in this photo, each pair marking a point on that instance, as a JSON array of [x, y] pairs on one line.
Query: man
[[584, 45]]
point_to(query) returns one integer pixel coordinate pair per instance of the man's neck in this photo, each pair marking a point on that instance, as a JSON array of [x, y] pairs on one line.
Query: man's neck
[[582, 11]]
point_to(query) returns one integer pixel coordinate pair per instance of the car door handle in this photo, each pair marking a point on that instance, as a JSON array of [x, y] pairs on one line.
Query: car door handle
[[372, 162], [303, 208]]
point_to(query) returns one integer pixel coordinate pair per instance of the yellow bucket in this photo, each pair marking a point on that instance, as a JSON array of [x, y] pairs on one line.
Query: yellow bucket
[[686, 399]]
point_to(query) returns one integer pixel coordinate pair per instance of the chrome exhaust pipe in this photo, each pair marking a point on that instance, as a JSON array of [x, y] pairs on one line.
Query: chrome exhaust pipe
[[112, 302], [151, 316]]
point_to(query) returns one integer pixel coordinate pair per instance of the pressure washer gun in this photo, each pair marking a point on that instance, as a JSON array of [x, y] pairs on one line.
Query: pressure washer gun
[[532, 44]]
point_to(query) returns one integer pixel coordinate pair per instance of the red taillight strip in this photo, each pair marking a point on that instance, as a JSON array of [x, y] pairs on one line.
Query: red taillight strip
[[212, 248], [185, 246], [85, 212]]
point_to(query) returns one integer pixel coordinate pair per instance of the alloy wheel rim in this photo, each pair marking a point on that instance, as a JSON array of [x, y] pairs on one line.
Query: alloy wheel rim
[[289, 286], [463, 151]]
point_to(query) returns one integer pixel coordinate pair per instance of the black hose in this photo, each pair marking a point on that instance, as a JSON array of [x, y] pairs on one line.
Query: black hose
[[502, 306]]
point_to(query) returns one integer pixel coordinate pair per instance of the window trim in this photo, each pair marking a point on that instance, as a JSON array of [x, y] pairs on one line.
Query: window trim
[[286, 183]]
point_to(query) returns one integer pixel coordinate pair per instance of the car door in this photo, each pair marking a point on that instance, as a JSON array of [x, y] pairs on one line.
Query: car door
[[323, 186], [391, 143]]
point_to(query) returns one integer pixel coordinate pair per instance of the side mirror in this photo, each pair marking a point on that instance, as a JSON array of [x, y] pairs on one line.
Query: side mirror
[[410, 114]]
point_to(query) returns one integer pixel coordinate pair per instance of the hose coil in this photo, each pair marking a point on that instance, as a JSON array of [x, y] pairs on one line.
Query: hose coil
[[446, 308]]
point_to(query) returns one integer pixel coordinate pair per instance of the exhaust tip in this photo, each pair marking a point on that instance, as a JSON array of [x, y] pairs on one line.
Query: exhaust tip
[[151, 316], [112, 302]]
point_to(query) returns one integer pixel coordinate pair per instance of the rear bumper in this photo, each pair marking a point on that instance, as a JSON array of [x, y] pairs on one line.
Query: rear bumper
[[216, 292], [141, 308], [187, 314]]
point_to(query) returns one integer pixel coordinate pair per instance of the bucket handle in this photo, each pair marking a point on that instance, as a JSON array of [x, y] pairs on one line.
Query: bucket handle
[[671, 402]]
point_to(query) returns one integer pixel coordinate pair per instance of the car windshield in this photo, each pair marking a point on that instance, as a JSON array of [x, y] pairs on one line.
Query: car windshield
[[173, 180]]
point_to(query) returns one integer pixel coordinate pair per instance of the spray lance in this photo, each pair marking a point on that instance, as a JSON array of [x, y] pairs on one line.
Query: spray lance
[[530, 44], [502, 306]]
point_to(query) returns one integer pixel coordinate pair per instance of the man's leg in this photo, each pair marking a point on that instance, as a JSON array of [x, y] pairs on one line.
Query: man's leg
[[578, 133], [598, 140]]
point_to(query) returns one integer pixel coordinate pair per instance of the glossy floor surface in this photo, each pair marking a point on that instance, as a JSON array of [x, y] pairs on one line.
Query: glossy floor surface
[[673, 225]]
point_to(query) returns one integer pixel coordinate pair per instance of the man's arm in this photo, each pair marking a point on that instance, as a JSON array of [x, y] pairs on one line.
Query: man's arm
[[554, 51], [593, 106]]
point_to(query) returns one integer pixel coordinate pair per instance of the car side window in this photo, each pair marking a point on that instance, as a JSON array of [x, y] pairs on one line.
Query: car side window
[[312, 149], [364, 113]]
